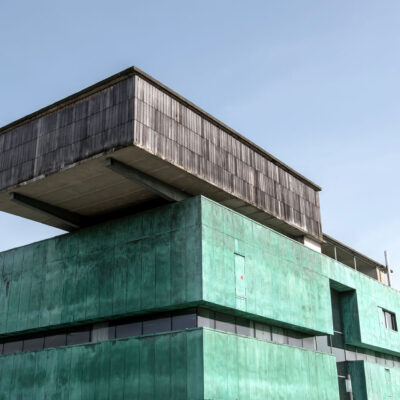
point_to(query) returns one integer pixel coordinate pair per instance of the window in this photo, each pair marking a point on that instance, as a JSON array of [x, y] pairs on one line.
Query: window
[[184, 321], [128, 329], [101, 332], [263, 331], [156, 325], [244, 327], [390, 320], [33, 344], [206, 318], [78, 336], [13, 347], [278, 335], [55, 340], [309, 342], [225, 322]]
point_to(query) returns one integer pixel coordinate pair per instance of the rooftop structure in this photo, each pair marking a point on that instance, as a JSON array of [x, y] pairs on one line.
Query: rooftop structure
[[195, 266], [58, 156]]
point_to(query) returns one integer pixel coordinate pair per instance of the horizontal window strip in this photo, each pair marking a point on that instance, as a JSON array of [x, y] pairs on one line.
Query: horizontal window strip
[[187, 319]]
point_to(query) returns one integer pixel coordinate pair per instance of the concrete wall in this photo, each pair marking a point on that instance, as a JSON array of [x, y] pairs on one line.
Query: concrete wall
[[163, 367], [279, 281], [195, 364], [237, 367], [289, 283], [144, 262], [371, 381], [182, 254]]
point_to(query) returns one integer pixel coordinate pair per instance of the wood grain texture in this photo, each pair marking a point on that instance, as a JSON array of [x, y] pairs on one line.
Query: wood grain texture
[[171, 130], [138, 111], [49, 143]]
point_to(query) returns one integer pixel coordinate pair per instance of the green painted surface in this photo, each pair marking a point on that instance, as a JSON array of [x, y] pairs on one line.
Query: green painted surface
[[289, 283], [372, 381], [237, 367], [144, 262], [183, 254], [281, 282], [194, 364], [168, 366]]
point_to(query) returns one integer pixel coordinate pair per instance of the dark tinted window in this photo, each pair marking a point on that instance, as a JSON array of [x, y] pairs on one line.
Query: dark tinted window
[[244, 327], [33, 344], [1, 348], [13, 347], [100, 332], [309, 343], [156, 325], [390, 320], [112, 332], [295, 339], [183, 322], [388, 360], [206, 318], [225, 322], [78, 336], [337, 340], [361, 356], [336, 311], [343, 395], [350, 354], [262, 331], [322, 344], [370, 355], [341, 368], [128, 329], [380, 359], [339, 354], [278, 335], [56, 340]]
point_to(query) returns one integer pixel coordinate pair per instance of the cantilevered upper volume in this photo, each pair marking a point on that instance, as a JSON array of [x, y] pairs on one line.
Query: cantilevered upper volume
[[128, 142]]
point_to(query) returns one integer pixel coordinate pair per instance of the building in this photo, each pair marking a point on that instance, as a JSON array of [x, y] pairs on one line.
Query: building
[[195, 266]]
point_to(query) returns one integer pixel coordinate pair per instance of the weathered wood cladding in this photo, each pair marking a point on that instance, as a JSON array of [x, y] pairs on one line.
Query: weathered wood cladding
[[60, 138], [169, 129], [132, 108]]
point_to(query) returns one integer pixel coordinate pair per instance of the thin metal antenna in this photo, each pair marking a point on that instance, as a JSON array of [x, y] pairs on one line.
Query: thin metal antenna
[[387, 266]]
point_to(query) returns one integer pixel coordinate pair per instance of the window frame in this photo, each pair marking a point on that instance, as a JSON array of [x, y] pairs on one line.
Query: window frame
[[393, 320]]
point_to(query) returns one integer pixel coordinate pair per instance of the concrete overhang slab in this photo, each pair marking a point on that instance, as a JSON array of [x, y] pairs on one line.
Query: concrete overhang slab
[[91, 190]]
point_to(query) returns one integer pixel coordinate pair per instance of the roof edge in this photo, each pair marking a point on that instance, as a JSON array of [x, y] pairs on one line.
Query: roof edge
[[335, 242], [131, 71]]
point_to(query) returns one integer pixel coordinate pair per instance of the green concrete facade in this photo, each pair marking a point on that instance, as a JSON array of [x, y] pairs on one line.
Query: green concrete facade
[[195, 364], [192, 253], [289, 283], [152, 367], [236, 367], [150, 261], [374, 382]]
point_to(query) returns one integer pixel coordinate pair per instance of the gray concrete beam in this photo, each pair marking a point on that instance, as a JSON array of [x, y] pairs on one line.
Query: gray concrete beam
[[156, 186], [75, 221]]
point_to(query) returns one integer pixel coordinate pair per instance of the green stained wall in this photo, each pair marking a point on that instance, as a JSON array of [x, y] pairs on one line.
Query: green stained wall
[[144, 262], [161, 367], [194, 364], [372, 381], [289, 283], [184, 254], [237, 367], [282, 278]]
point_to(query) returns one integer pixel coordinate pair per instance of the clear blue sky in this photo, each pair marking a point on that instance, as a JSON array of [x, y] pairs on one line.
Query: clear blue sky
[[315, 83]]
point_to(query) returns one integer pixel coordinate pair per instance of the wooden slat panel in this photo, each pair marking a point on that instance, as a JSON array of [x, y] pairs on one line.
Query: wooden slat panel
[[137, 111], [87, 127], [171, 130]]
